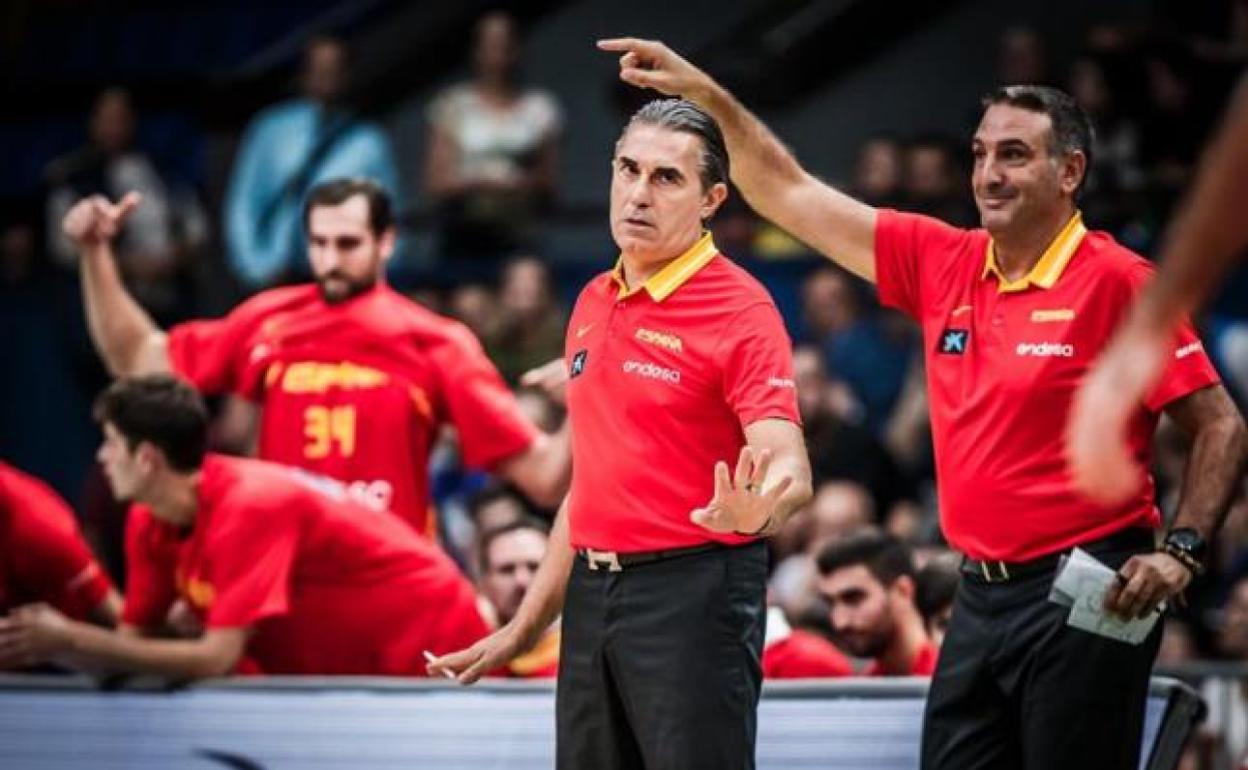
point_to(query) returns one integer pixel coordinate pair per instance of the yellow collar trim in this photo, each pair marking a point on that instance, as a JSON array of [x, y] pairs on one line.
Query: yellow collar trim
[[661, 285], [1050, 265]]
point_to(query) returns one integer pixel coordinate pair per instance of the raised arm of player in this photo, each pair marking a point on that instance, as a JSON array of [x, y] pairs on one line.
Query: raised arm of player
[[764, 170], [38, 633], [542, 604], [124, 334], [1208, 235]]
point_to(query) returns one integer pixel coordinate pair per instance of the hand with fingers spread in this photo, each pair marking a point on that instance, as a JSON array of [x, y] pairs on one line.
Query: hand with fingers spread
[[470, 664], [651, 64], [1144, 582], [740, 504], [551, 378], [95, 220], [32, 634]]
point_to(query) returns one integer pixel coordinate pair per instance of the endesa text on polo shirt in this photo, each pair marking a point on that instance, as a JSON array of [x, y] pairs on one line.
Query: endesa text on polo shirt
[[652, 371]]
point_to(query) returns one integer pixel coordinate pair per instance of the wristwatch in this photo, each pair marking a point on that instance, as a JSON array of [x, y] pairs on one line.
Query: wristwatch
[[1186, 545]]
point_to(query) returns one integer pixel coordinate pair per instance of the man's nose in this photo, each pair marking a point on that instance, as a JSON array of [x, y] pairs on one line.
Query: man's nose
[[639, 193], [993, 172], [839, 618]]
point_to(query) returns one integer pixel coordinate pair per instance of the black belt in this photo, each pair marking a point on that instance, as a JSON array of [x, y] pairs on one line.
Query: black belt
[[613, 561], [1005, 571]]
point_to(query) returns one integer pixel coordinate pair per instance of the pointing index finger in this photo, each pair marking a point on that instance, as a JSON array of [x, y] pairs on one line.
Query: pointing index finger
[[127, 203], [618, 44]]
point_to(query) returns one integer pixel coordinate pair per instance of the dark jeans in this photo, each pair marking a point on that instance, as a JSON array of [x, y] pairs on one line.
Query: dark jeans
[[659, 665], [1018, 689]]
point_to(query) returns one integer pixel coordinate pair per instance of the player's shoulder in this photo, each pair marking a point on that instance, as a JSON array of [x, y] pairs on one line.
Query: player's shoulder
[[239, 491], [223, 474], [12, 480], [729, 288], [23, 491], [601, 286], [1113, 264], [723, 270], [278, 300], [928, 230], [422, 325]]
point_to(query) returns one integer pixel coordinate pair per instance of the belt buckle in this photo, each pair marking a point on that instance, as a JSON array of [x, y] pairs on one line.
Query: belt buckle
[[597, 559], [994, 571]]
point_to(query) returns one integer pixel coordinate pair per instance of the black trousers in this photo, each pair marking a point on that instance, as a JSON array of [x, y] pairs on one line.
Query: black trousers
[[659, 665], [1018, 689]]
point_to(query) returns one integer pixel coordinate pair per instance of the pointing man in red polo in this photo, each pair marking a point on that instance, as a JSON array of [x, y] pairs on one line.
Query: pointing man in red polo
[[679, 369], [1012, 315]]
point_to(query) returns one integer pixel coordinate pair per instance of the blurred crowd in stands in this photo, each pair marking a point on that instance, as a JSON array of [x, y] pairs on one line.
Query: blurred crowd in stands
[[860, 582]]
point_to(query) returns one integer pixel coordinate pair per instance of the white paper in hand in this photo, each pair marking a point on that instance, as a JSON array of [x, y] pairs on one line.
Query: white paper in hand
[[1081, 584]]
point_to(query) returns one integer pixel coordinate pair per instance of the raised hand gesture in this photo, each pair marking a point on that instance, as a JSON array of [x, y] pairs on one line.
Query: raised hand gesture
[[651, 64], [95, 221], [739, 504]]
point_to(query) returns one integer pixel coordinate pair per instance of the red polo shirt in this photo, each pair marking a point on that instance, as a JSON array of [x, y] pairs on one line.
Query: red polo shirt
[[43, 556], [1003, 362], [663, 380], [326, 585], [357, 391]]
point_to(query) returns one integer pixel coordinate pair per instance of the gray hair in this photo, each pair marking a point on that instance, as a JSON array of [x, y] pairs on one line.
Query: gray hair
[[687, 117]]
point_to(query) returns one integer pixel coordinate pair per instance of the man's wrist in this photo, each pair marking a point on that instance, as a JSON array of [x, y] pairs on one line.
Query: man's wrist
[[765, 530], [1186, 560], [1187, 546]]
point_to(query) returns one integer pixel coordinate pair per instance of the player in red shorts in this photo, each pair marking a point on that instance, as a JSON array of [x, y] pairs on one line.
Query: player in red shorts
[[279, 565], [43, 557], [354, 380]]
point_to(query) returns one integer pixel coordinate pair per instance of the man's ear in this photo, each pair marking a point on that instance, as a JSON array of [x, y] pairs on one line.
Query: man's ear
[[148, 457], [1073, 169], [713, 199], [904, 587], [385, 243]]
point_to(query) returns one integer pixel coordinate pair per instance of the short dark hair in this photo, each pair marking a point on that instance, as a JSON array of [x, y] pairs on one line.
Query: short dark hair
[[1072, 128], [687, 117], [336, 192], [490, 494], [161, 410], [489, 536], [936, 585], [885, 557]]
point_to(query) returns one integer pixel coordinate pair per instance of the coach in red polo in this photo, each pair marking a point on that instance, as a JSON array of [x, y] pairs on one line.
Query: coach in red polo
[[1012, 316], [686, 451]]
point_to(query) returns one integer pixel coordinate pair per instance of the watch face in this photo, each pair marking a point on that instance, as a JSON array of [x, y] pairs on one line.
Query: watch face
[[1188, 540]]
